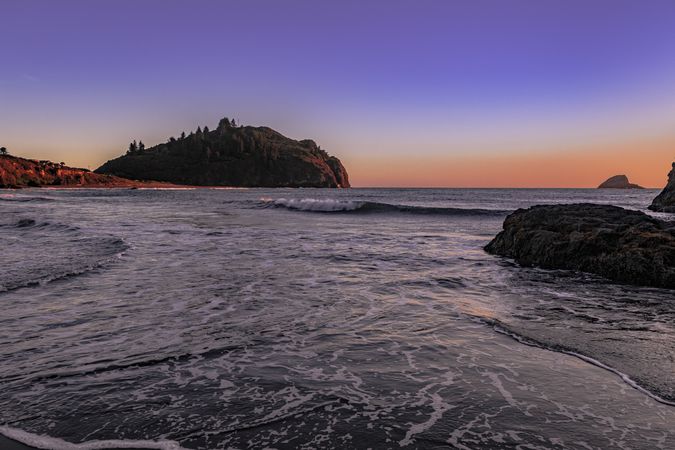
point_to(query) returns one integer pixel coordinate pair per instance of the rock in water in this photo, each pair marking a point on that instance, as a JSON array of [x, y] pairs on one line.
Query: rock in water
[[665, 201], [622, 245], [618, 182], [233, 156]]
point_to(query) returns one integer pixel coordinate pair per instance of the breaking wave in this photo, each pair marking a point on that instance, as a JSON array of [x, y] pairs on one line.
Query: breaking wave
[[364, 207]]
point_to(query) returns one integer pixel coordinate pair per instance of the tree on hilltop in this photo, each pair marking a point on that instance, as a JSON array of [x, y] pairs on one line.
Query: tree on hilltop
[[133, 147], [3, 151], [224, 123], [141, 146]]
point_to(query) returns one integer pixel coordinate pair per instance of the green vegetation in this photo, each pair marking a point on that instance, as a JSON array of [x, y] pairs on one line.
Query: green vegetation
[[231, 155]]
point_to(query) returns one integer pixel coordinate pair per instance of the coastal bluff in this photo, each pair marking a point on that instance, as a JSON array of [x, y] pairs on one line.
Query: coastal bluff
[[16, 172], [665, 201], [619, 244], [231, 155], [618, 182]]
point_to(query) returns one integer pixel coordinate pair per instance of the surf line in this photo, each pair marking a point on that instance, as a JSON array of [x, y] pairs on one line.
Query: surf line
[[625, 378], [47, 442]]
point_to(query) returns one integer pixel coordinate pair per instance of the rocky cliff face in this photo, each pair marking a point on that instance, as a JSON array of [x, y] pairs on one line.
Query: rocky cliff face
[[622, 245], [18, 172], [233, 156], [665, 201], [619, 182]]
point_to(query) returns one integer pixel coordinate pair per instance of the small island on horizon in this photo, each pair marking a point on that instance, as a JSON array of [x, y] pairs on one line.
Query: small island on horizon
[[618, 182]]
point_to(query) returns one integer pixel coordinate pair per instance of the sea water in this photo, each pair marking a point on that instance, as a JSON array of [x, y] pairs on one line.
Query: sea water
[[311, 318]]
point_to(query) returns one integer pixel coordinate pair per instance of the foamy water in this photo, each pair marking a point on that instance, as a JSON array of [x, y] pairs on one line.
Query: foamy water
[[316, 319], [48, 442], [313, 204]]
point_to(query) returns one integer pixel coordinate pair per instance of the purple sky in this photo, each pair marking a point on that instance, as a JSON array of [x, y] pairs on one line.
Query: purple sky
[[367, 80]]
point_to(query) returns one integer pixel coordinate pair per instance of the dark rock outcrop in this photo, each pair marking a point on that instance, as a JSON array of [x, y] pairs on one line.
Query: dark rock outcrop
[[233, 156], [18, 172], [665, 201], [618, 182], [622, 245]]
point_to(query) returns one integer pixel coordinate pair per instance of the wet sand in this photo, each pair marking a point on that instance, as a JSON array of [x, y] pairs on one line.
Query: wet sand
[[8, 444]]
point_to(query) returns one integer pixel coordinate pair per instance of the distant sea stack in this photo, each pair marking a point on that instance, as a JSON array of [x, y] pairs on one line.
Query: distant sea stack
[[665, 201], [619, 182], [18, 172], [619, 244], [232, 155]]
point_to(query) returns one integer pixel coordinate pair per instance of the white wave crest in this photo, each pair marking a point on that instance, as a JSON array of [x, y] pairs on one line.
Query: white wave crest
[[312, 204], [52, 443]]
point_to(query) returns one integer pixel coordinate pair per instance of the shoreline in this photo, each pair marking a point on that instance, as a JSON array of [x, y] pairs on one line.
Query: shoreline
[[52, 443], [161, 185], [501, 328], [15, 439], [139, 187], [166, 185]]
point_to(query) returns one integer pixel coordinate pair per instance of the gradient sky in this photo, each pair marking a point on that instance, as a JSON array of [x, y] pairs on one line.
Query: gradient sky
[[523, 93]]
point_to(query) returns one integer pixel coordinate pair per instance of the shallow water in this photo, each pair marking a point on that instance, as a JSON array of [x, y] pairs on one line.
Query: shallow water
[[318, 319]]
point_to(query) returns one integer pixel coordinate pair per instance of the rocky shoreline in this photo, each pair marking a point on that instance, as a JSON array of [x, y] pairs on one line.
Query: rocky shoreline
[[622, 245], [619, 244], [665, 201], [18, 173]]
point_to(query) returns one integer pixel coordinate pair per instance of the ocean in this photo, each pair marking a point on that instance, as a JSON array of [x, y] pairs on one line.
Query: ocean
[[317, 318]]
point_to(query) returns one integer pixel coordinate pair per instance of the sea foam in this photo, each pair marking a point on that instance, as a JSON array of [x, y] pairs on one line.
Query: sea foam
[[320, 205], [52, 443]]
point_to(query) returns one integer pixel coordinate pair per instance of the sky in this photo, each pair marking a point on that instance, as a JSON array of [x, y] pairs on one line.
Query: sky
[[475, 93]]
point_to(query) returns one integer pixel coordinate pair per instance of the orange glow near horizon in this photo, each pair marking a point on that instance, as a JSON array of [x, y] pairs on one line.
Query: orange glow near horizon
[[646, 163]]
